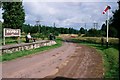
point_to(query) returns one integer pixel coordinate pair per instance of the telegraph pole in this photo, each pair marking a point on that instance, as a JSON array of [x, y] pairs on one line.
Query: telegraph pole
[[54, 24], [85, 25], [37, 24], [85, 28], [95, 25]]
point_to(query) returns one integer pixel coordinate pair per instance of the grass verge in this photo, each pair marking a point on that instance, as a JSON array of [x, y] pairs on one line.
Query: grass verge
[[110, 58], [7, 57]]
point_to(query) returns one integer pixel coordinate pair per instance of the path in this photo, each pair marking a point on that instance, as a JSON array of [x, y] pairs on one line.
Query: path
[[71, 60]]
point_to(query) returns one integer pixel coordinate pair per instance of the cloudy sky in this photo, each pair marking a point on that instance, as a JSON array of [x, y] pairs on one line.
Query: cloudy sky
[[67, 14]]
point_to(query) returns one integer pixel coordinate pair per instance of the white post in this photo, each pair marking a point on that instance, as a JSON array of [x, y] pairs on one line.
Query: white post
[[3, 40], [4, 36], [107, 26]]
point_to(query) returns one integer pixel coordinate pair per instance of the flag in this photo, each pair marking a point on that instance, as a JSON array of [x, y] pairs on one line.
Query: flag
[[106, 9]]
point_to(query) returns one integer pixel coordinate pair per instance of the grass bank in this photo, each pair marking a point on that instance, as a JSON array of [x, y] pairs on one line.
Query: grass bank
[[110, 58], [112, 41], [14, 55]]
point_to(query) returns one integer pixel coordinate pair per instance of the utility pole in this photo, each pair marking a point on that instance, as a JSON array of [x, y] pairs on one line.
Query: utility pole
[[37, 24], [85, 28], [95, 25], [54, 24], [85, 25]]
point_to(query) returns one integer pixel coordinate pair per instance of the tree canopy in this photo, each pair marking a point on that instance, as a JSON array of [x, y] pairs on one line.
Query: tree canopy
[[115, 24], [13, 15]]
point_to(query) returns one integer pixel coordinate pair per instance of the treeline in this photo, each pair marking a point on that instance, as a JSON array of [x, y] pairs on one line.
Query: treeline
[[47, 30], [113, 32]]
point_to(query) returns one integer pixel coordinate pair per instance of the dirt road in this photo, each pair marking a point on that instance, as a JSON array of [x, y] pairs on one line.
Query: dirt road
[[71, 60]]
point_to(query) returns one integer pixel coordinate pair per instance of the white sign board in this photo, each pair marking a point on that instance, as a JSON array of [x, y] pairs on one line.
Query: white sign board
[[11, 32]]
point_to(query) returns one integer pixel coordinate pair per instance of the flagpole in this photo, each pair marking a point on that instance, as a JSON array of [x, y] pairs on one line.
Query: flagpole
[[107, 28]]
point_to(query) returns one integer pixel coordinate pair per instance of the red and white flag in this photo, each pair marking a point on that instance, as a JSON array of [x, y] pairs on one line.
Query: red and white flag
[[106, 9]]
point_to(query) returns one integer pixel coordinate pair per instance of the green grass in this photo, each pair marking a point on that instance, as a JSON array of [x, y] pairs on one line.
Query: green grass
[[10, 56], [110, 58], [98, 40]]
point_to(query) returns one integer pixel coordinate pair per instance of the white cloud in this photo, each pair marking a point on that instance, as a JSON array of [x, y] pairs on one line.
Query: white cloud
[[66, 14], [70, 0]]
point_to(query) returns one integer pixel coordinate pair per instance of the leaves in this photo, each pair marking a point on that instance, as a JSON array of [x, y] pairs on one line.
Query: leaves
[[13, 15]]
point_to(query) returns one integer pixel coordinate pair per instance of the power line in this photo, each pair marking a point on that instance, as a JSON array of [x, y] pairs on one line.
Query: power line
[[37, 24], [95, 25], [54, 24]]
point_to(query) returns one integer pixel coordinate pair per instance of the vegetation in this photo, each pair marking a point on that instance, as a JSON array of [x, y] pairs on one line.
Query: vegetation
[[13, 15], [115, 19], [97, 40], [47, 29], [110, 58], [94, 33], [14, 55], [82, 30], [44, 31]]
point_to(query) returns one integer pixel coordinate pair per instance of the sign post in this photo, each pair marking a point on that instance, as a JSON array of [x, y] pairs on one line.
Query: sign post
[[10, 33], [107, 9], [4, 36], [107, 28]]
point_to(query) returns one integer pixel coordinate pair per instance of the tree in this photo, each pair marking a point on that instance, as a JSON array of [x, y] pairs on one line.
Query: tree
[[0, 29], [0, 4], [82, 30], [112, 31], [13, 15], [93, 33], [103, 30], [115, 19]]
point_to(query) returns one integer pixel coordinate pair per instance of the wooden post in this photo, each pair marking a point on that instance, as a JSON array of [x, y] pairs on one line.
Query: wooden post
[[4, 36], [18, 39], [4, 40], [19, 36]]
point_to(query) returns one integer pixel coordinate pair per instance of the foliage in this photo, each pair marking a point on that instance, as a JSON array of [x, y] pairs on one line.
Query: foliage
[[103, 30], [44, 31], [13, 15], [115, 20], [82, 30], [93, 33], [113, 24], [39, 35], [112, 57]]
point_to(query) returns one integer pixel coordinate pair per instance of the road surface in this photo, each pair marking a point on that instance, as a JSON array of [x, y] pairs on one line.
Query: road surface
[[71, 61]]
